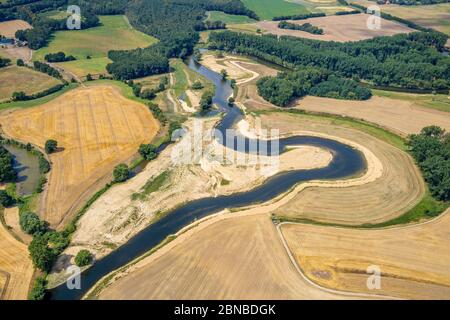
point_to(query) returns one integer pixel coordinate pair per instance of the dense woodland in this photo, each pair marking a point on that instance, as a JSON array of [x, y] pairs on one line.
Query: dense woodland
[[431, 150], [404, 60], [175, 23], [286, 86]]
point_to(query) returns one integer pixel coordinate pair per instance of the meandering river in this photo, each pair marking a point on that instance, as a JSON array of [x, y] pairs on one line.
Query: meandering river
[[346, 162]]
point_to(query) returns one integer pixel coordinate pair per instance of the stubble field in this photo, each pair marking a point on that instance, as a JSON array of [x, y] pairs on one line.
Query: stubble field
[[96, 129], [338, 28], [16, 269], [413, 260]]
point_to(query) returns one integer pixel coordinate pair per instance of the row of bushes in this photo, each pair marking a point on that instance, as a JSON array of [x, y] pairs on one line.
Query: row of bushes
[[307, 27], [299, 16], [22, 96], [58, 57]]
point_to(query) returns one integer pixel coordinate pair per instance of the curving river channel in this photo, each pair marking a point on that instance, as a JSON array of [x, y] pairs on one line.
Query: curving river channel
[[346, 162]]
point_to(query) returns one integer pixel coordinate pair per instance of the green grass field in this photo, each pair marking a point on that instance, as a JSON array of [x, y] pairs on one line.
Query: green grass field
[[84, 66], [228, 18], [267, 9], [434, 101], [115, 33]]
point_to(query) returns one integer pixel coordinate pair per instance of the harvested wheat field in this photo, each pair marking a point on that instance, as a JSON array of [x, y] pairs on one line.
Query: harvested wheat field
[[16, 269], [338, 28], [436, 16], [413, 260], [242, 259], [401, 116], [398, 188], [96, 128], [15, 78], [9, 28]]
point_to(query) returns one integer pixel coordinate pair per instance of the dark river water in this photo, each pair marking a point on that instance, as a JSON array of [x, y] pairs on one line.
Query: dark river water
[[346, 162]]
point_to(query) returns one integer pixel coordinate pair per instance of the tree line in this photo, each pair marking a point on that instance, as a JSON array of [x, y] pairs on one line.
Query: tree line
[[307, 27], [299, 16], [7, 171], [404, 60]]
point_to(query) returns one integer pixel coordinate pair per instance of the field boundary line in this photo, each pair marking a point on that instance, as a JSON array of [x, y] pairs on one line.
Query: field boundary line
[[312, 283]]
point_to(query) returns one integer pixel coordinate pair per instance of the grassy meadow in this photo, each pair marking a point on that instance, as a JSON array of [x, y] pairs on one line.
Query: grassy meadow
[[228, 18], [267, 9], [115, 33]]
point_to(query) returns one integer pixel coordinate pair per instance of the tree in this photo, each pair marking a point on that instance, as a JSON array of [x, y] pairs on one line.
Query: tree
[[7, 171], [50, 146], [89, 77], [206, 101], [20, 62], [121, 173], [39, 289], [231, 101], [224, 74], [31, 224], [83, 258], [41, 254], [148, 151], [5, 199]]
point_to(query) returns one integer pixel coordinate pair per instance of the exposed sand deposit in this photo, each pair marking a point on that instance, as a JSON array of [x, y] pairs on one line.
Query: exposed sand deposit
[[402, 117], [338, 28], [413, 260], [96, 128]]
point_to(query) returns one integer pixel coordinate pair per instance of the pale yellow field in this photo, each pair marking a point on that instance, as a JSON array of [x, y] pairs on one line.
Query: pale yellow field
[[97, 129], [397, 190], [16, 268], [339, 28], [400, 116], [435, 16], [9, 28], [242, 258], [414, 261], [15, 78]]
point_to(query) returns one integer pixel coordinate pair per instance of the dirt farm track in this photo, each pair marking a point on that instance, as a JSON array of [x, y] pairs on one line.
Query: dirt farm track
[[96, 128]]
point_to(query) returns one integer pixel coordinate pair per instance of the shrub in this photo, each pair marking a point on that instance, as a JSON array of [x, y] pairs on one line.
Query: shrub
[[31, 224], [39, 289], [148, 151], [5, 199], [83, 258], [197, 85], [121, 173], [50, 146], [41, 254]]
